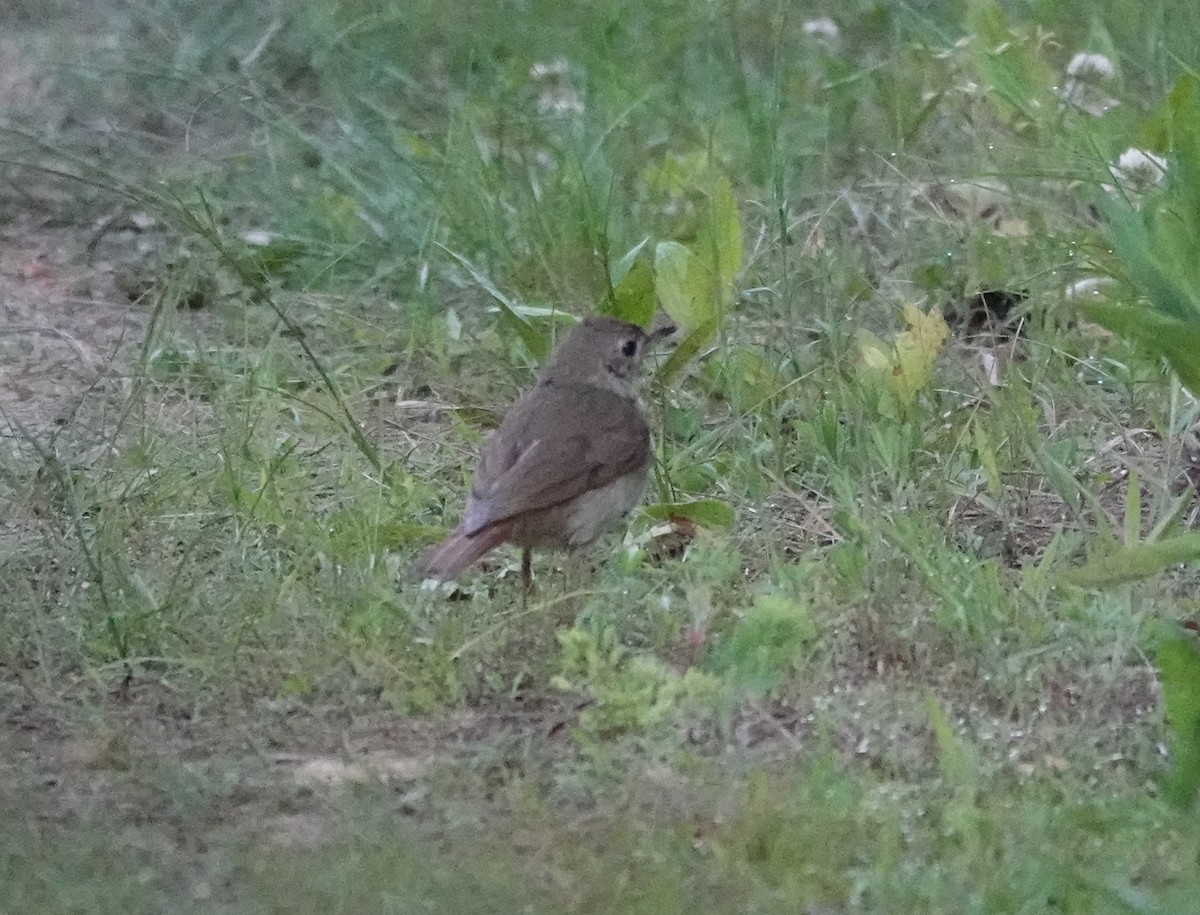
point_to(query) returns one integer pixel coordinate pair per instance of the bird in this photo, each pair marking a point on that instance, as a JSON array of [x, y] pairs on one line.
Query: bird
[[569, 459]]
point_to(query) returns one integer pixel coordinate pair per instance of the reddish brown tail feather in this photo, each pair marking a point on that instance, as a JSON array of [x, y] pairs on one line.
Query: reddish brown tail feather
[[445, 561]]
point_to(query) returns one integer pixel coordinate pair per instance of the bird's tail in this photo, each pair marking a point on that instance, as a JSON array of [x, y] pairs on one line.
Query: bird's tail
[[446, 560]]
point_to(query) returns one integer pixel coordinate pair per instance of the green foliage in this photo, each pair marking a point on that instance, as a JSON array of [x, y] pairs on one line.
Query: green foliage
[[1154, 232], [1015, 77], [1179, 672], [805, 859], [766, 645], [1136, 557], [1154, 240], [704, 512], [630, 692], [747, 379], [1139, 560], [695, 282], [536, 340], [633, 296], [973, 597]]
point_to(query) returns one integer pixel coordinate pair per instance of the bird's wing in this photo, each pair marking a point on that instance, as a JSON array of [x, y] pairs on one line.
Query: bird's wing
[[555, 444]]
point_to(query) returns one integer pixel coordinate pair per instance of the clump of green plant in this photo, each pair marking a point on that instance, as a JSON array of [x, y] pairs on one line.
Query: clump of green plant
[[630, 692], [1153, 232], [765, 646], [1154, 238], [1179, 671]]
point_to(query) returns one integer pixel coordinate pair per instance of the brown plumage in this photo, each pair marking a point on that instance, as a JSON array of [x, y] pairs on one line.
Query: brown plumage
[[569, 459]]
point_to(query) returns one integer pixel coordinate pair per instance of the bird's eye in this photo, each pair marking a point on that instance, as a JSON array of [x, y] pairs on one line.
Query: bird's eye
[[630, 348]]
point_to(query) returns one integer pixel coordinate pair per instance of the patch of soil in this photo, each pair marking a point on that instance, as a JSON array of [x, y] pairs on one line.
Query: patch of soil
[[63, 327]]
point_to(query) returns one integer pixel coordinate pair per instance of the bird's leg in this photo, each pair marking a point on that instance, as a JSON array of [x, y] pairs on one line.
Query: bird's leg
[[527, 570]]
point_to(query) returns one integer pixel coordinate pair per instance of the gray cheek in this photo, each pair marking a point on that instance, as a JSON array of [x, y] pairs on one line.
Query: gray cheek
[[622, 368]]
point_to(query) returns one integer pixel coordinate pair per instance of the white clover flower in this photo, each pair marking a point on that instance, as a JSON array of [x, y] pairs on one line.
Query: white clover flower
[[561, 101], [1140, 166], [822, 28], [1081, 89], [1087, 287], [1091, 67], [550, 68], [556, 96]]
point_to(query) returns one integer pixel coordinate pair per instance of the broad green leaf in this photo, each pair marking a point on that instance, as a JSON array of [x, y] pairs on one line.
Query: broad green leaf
[[704, 512], [1173, 124], [693, 282], [696, 283], [1162, 335], [687, 349], [873, 352], [682, 285], [628, 259], [1133, 563], [1140, 257], [1179, 673], [1184, 101], [634, 298], [719, 243]]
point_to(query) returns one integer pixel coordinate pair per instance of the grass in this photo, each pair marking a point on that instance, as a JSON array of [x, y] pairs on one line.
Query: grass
[[862, 680]]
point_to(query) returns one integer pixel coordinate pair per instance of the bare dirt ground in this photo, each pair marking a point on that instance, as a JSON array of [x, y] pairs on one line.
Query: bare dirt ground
[[61, 322], [63, 327]]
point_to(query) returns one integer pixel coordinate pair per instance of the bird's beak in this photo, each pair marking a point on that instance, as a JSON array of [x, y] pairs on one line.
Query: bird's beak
[[661, 330]]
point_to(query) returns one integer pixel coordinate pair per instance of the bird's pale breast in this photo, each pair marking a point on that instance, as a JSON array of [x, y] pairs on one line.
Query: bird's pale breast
[[597, 510]]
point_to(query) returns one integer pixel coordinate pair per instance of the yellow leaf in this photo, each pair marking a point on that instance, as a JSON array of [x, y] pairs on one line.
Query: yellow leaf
[[875, 354], [905, 367]]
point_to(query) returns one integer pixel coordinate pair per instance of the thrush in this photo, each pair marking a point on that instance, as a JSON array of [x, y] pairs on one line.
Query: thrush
[[569, 460]]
